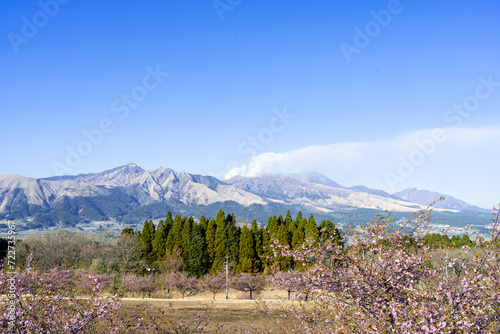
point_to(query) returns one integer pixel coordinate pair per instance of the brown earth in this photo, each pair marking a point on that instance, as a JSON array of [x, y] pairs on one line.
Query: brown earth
[[221, 316]]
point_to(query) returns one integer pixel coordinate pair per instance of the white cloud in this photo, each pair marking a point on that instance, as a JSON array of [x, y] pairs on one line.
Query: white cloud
[[434, 155]]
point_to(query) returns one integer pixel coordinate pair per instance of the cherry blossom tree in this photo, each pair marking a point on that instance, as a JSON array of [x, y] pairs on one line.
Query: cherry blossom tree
[[249, 283], [56, 278], [290, 281], [168, 280], [141, 284], [379, 284], [86, 283], [181, 282], [214, 283], [50, 311]]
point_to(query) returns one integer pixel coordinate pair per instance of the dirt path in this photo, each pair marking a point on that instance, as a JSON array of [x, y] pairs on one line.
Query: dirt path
[[232, 316]]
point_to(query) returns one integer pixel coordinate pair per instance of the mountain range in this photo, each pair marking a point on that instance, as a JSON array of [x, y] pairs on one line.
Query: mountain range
[[130, 194]]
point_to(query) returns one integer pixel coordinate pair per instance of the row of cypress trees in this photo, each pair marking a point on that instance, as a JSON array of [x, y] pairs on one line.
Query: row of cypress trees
[[205, 245]]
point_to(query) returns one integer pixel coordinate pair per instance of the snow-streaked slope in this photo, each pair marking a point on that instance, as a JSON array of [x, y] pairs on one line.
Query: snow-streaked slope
[[425, 197], [42, 192], [119, 191], [316, 195], [155, 185]]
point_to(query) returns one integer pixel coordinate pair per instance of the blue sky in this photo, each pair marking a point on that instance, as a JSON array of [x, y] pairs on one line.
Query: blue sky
[[255, 87]]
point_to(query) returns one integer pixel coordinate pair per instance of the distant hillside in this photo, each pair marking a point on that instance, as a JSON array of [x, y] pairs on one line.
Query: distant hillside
[[425, 197], [132, 194], [316, 196]]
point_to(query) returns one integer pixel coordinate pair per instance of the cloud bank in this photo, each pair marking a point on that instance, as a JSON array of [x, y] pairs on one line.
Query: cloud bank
[[431, 158]]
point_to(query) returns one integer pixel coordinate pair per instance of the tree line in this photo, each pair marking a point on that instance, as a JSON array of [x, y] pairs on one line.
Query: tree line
[[204, 246]]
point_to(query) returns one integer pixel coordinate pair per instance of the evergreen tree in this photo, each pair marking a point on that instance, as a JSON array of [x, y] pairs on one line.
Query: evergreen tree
[[329, 231], [247, 251], [221, 216], [210, 240], [160, 241], [299, 218], [174, 239], [267, 251], [203, 223], [298, 238], [257, 244], [187, 224], [285, 262], [288, 219], [455, 241], [169, 223], [272, 226], [291, 226], [233, 239], [280, 220], [147, 236], [220, 243], [312, 228], [446, 241], [197, 253], [299, 234]]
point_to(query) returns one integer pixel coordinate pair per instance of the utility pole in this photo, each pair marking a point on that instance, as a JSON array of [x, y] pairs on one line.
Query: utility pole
[[226, 264]]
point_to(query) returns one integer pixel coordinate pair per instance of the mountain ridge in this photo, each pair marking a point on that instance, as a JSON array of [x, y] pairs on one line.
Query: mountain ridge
[[422, 196], [130, 193]]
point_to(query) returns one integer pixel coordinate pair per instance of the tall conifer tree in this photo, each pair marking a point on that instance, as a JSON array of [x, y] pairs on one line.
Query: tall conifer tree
[[329, 231], [299, 234], [147, 236], [169, 223], [280, 220], [160, 241], [288, 219], [197, 253], [257, 243], [174, 239], [247, 251], [272, 226], [299, 218], [312, 228], [210, 240], [267, 251], [233, 239], [220, 243], [187, 225], [203, 223], [283, 238]]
